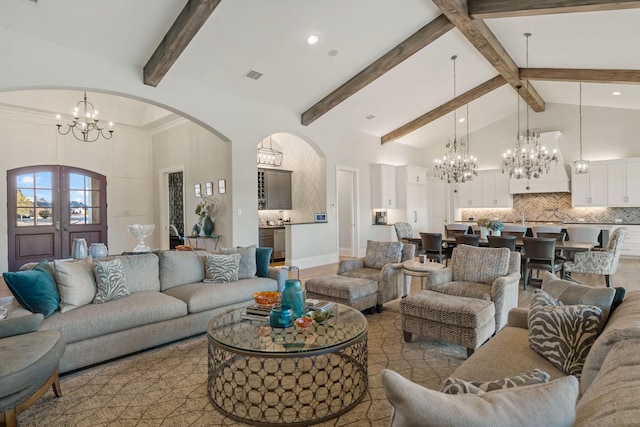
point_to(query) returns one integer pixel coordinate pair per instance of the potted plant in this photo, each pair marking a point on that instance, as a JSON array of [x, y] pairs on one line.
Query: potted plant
[[484, 224], [496, 227], [205, 209]]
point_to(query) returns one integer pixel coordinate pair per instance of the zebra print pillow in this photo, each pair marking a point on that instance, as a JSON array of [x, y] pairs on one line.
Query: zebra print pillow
[[110, 281], [563, 334], [222, 268], [458, 386]]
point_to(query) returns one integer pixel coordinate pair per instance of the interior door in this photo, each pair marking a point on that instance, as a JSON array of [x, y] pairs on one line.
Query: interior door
[[49, 206]]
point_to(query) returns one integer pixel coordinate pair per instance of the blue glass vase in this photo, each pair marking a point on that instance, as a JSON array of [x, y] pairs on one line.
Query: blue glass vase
[[293, 296], [280, 317], [207, 226]]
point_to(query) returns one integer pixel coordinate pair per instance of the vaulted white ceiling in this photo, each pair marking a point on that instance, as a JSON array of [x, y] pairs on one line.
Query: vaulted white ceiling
[[270, 37]]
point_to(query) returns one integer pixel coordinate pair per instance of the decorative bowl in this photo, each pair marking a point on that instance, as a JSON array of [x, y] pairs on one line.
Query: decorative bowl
[[304, 322], [266, 298], [141, 232]]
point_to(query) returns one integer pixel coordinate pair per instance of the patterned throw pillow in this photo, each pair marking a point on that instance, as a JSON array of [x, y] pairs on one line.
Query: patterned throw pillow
[[110, 281], [563, 334], [458, 386], [222, 268]]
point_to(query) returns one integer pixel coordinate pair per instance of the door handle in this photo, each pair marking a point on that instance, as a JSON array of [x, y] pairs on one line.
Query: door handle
[[57, 225], [64, 226]]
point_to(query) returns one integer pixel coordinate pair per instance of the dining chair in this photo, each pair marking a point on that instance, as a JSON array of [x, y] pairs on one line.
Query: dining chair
[[502, 242], [599, 260], [583, 234], [433, 249], [540, 254], [453, 229], [468, 239], [514, 230], [560, 239]]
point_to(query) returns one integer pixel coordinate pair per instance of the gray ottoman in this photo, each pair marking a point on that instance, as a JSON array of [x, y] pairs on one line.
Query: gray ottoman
[[361, 294], [468, 322]]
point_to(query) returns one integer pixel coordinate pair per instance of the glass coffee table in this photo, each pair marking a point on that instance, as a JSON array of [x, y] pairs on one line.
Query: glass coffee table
[[273, 376]]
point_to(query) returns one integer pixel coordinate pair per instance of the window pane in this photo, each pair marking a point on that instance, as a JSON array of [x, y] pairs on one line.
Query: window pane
[[44, 216], [93, 199], [24, 207], [76, 181], [25, 181], [93, 216], [43, 180], [92, 183]]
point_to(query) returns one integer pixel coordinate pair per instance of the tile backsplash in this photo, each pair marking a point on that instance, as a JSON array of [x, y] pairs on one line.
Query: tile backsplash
[[553, 207]]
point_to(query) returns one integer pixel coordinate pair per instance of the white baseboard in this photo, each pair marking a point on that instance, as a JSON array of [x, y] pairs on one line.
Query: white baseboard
[[312, 261]]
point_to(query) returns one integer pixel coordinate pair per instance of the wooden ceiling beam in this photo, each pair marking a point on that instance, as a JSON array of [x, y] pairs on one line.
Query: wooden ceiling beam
[[581, 75], [485, 9], [423, 37], [194, 14], [477, 32], [445, 109]]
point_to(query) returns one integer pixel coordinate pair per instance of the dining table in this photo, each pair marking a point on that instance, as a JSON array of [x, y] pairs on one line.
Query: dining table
[[567, 245]]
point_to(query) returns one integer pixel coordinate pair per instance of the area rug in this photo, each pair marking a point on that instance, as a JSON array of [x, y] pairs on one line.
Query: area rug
[[167, 386]]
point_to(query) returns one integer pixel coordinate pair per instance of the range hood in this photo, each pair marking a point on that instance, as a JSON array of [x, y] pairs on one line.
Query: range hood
[[556, 181]]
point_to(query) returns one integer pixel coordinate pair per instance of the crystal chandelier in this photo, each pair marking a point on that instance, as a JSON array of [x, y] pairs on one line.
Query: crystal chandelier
[[267, 156], [85, 126], [581, 166], [529, 159], [456, 165]]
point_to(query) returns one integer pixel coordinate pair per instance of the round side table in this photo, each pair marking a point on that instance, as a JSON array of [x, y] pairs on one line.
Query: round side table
[[418, 269]]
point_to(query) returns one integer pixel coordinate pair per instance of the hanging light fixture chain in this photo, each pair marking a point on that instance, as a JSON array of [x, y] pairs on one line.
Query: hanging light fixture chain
[[455, 112], [580, 120]]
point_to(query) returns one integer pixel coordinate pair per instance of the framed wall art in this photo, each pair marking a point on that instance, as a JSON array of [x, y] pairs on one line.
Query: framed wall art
[[222, 186], [196, 190], [208, 188]]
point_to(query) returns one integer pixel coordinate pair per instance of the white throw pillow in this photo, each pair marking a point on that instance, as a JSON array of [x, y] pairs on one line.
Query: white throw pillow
[[76, 283], [532, 405], [248, 267]]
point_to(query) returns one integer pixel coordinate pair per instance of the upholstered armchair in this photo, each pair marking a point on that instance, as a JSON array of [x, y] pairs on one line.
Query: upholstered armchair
[[492, 274], [599, 260], [383, 264], [29, 364], [404, 233]]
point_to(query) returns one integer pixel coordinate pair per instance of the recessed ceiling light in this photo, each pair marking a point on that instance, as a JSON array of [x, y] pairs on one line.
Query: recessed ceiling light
[[616, 93], [313, 39], [333, 52], [370, 117], [461, 119]]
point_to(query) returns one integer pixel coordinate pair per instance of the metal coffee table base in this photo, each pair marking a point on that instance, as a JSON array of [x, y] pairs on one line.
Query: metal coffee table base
[[292, 389]]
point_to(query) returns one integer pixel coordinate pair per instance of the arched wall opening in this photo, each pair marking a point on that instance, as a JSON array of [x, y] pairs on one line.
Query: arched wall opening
[[308, 166]]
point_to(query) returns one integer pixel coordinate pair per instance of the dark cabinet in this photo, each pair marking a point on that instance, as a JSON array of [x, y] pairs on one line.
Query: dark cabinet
[[273, 238], [274, 189]]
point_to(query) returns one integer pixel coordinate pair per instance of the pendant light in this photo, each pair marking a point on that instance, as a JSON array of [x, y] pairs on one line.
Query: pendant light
[[581, 166]]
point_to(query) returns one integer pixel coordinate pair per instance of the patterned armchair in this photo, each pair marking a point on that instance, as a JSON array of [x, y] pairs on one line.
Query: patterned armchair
[[599, 261], [383, 264], [404, 233], [492, 274]]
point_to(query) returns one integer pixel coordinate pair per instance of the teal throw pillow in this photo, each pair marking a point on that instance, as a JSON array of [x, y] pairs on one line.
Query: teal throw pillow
[[263, 256], [35, 289]]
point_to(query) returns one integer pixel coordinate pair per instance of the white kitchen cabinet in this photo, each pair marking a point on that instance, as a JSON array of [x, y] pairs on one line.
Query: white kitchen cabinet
[[437, 205], [495, 189], [383, 186], [412, 196], [623, 182], [470, 193], [590, 189], [490, 189], [631, 244]]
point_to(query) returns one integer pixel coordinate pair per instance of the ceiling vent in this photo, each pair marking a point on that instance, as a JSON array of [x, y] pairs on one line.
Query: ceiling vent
[[253, 74]]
